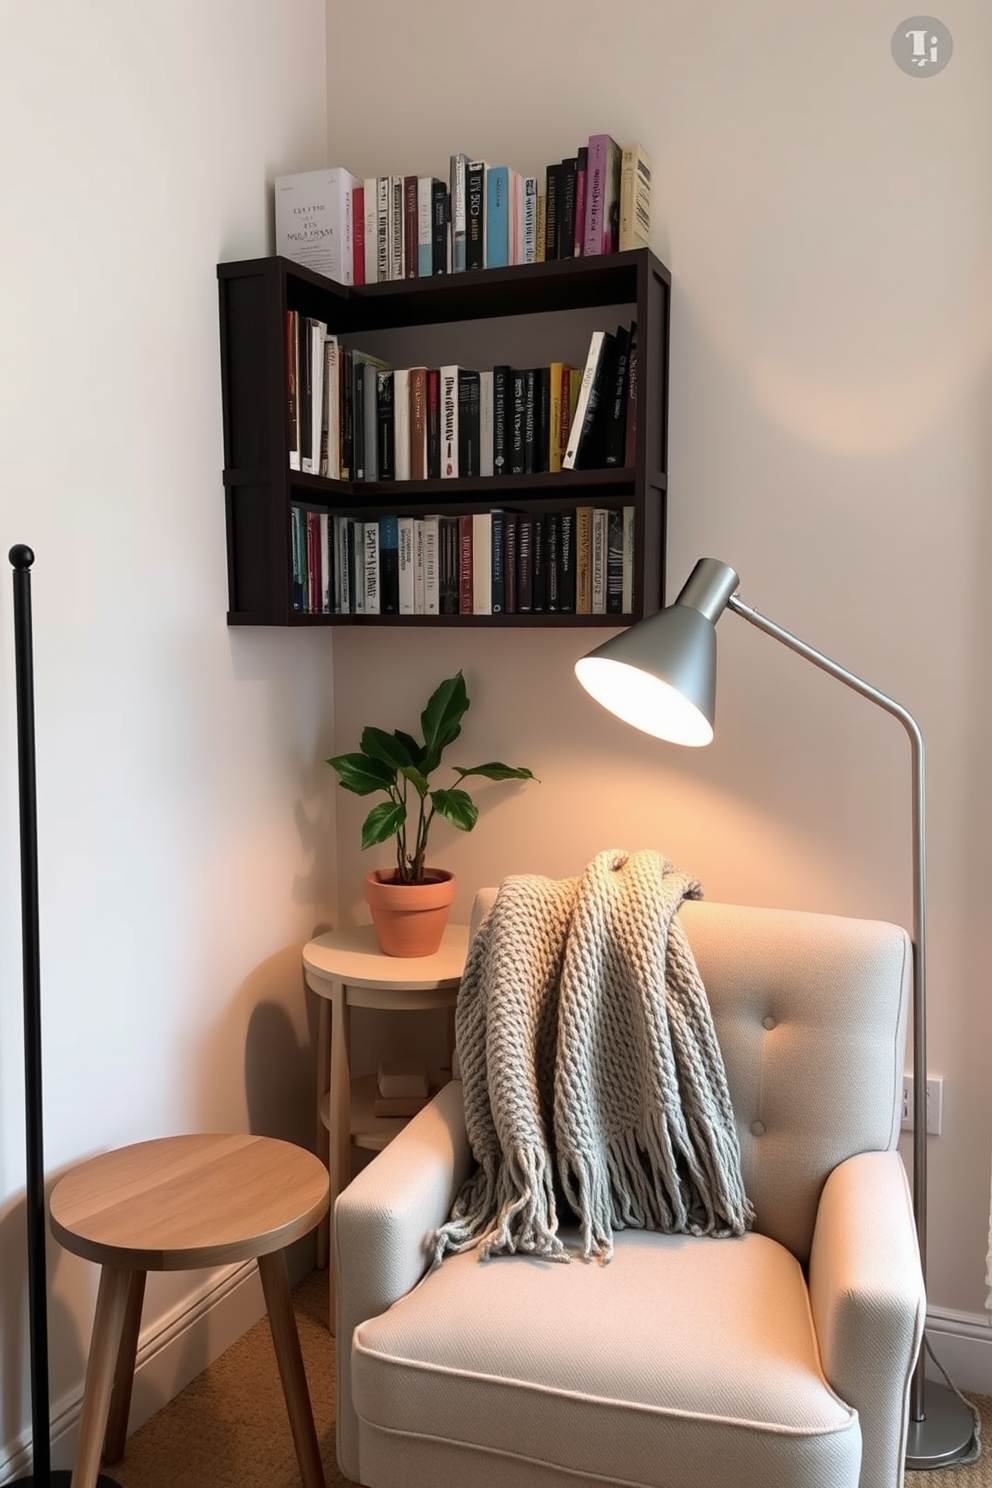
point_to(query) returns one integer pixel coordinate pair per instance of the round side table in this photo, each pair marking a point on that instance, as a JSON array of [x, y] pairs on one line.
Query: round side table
[[174, 1204], [347, 969]]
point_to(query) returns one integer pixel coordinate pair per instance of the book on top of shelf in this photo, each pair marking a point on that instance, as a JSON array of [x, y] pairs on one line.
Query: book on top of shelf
[[552, 182], [635, 198], [397, 227], [425, 227], [475, 214], [411, 227], [602, 227], [459, 166], [383, 214], [358, 234], [370, 202], [440, 225], [530, 219], [567, 181], [291, 346], [313, 212], [581, 175], [497, 217]]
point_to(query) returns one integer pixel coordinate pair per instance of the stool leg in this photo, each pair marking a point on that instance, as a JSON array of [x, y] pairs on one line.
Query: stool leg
[[289, 1357], [323, 1135], [120, 1399], [108, 1324]]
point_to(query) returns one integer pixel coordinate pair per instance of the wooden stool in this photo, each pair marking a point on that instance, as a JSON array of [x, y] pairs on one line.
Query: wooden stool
[[176, 1204]]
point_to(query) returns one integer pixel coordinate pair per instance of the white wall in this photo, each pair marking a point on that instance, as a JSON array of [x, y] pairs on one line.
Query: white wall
[[186, 840], [827, 223]]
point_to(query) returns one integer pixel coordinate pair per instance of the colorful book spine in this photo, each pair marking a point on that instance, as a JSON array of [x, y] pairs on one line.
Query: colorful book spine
[[433, 423], [497, 217], [358, 230], [397, 227], [389, 565], [602, 226], [530, 223], [566, 563], [425, 234], [581, 178], [418, 423], [635, 198], [482, 563], [383, 197], [411, 226], [449, 422], [583, 560]]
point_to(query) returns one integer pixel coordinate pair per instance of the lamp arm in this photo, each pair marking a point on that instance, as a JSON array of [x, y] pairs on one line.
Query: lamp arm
[[919, 925]]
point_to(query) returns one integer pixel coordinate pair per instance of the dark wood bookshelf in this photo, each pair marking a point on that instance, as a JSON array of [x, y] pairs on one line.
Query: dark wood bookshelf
[[260, 489]]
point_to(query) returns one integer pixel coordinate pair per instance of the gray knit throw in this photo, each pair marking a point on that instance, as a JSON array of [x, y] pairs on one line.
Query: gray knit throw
[[588, 1052]]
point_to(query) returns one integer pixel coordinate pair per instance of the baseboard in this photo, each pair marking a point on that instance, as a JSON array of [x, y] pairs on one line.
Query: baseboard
[[179, 1347], [962, 1341]]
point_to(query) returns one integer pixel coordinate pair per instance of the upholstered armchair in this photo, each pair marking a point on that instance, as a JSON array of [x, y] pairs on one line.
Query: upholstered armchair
[[781, 1359]]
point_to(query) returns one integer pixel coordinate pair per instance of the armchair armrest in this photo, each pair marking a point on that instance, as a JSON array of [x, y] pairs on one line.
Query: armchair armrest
[[868, 1302], [381, 1221]]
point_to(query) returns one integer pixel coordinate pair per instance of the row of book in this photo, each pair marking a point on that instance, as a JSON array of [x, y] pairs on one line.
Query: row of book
[[353, 416], [501, 561], [379, 228]]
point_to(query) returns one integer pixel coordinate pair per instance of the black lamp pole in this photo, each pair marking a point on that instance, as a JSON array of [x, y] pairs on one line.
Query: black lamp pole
[[21, 558]]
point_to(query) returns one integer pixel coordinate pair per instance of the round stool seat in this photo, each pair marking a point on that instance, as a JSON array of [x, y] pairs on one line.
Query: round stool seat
[[177, 1203]]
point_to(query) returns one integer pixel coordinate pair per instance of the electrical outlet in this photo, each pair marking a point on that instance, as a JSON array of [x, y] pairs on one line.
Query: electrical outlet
[[935, 1104]]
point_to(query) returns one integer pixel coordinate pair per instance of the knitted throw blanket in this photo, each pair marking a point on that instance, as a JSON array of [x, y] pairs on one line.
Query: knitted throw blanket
[[590, 1061]]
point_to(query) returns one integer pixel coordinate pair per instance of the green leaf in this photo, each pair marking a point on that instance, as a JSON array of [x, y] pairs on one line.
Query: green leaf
[[388, 748], [441, 719], [414, 748], [362, 775], [497, 771], [457, 807], [383, 822], [419, 782]]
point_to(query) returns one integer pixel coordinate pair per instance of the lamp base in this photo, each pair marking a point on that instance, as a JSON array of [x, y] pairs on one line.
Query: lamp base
[[946, 1433]]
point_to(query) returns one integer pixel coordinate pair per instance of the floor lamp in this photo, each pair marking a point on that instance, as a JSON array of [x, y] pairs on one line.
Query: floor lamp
[[41, 1476], [660, 676]]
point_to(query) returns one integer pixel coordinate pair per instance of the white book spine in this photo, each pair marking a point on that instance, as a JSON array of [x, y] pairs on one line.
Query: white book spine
[[585, 388], [318, 331], [371, 230], [330, 447], [401, 423], [431, 570], [383, 197], [449, 423], [486, 422], [600, 521], [482, 563], [459, 165], [418, 566], [425, 208], [371, 551], [347, 184], [405, 528]]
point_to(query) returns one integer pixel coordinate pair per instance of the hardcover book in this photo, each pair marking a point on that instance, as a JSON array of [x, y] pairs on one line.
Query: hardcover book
[[385, 447], [401, 423], [614, 562], [418, 423], [313, 211], [459, 167], [602, 231], [586, 441], [583, 560], [425, 227], [482, 563], [567, 182], [432, 563], [469, 422], [497, 217], [370, 550], [466, 588], [358, 234], [511, 526], [411, 227], [530, 223], [433, 423], [581, 175], [616, 401], [566, 563], [440, 228], [475, 215], [502, 417], [486, 422], [397, 228], [552, 181], [628, 561], [371, 235], [449, 422], [635, 198], [389, 565], [497, 542], [525, 564]]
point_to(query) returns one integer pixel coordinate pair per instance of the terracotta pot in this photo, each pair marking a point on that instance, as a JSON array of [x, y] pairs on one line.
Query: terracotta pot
[[409, 919]]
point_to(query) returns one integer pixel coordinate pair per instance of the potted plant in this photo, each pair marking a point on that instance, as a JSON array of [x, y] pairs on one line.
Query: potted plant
[[402, 767]]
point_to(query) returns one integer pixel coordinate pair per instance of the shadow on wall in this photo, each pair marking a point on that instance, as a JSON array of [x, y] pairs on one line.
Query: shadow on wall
[[67, 1353], [280, 1070]]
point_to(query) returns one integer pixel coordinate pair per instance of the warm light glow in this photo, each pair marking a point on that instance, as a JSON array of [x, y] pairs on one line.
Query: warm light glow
[[643, 700]]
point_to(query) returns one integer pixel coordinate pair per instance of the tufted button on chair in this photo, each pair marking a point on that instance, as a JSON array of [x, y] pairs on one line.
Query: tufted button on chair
[[778, 1360]]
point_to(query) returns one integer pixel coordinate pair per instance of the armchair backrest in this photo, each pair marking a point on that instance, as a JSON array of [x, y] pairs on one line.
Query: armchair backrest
[[810, 1011]]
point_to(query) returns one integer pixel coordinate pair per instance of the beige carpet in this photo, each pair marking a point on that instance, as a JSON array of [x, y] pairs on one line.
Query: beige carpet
[[228, 1428]]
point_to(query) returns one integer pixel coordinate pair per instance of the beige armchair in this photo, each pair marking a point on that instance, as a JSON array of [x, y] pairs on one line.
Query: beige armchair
[[778, 1360]]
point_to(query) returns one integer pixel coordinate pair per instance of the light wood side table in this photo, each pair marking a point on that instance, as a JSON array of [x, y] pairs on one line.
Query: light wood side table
[[179, 1203], [347, 969]]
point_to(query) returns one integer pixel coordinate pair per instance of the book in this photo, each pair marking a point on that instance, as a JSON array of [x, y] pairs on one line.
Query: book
[[614, 561], [385, 445], [630, 418], [482, 563], [398, 1105], [475, 215], [419, 567], [466, 570], [597, 562], [540, 226], [291, 348], [330, 430], [433, 423], [515, 233], [566, 207], [635, 198], [530, 420], [581, 175], [406, 565], [542, 418], [396, 1079], [616, 400], [525, 564], [384, 199], [431, 563], [346, 412], [370, 567], [497, 217], [556, 372], [370, 193], [583, 560], [440, 228], [486, 422], [356, 564], [342, 567], [627, 605], [469, 422], [459, 166], [449, 422], [401, 423], [517, 410], [530, 223], [539, 593], [397, 227], [425, 227], [358, 234], [602, 227], [497, 550], [511, 524], [502, 415], [304, 392], [585, 441], [418, 423], [411, 226], [389, 565], [552, 181], [313, 218], [552, 539], [448, 565]]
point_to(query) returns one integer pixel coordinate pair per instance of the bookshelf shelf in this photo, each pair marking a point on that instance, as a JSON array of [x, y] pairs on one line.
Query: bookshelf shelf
[[260, 488]]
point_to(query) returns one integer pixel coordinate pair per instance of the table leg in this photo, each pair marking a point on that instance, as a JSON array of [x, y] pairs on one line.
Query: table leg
[[339, 1164], [289, 1357], [323, 1145], [108, 1325], [120, 1399]]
